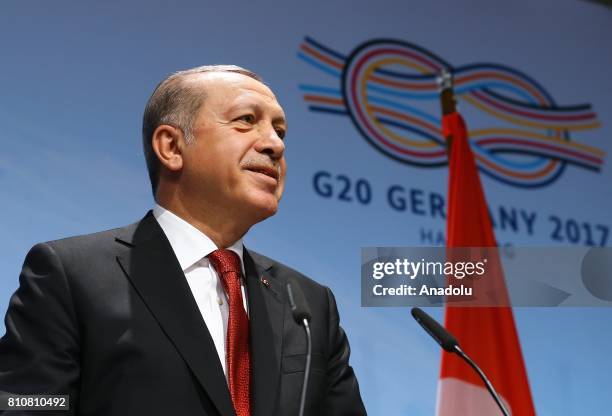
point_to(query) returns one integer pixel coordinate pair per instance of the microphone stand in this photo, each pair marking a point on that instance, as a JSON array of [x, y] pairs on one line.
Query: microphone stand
[[307, 369], [301, 314], [484, 378]]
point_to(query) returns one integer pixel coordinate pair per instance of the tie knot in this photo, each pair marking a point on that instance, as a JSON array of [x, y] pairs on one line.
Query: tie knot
[[224, 261]]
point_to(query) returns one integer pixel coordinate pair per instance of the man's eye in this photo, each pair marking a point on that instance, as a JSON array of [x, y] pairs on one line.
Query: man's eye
[[281, 133], [249, 118]]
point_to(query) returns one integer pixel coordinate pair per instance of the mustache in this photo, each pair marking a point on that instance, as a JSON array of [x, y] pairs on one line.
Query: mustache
[[263, 165]]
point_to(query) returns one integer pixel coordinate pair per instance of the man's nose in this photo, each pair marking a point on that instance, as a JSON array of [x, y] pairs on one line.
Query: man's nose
[[271, 144]]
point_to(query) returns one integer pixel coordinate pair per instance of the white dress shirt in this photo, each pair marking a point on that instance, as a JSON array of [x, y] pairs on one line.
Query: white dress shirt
[[191, 247]]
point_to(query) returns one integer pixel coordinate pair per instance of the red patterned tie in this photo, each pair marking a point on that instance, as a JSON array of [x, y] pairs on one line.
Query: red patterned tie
[[227, 266]]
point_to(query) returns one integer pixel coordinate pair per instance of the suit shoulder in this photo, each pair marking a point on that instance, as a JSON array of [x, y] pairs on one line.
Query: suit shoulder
[[85, 244], [88, 239]]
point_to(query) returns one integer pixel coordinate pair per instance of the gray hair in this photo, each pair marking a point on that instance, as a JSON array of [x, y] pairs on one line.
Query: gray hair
[[176, 102]]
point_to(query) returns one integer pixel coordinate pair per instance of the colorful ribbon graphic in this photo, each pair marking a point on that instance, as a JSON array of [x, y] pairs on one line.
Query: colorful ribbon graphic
[[388, 88]]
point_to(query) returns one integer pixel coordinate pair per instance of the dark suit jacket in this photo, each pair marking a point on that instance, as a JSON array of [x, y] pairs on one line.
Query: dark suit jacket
[[110, 319]]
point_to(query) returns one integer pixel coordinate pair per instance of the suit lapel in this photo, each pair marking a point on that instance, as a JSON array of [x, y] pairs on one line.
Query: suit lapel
[[266, 312], [157, 276]]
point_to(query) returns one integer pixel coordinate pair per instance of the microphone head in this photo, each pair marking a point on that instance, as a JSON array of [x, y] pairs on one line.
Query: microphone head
[[297, 301], [437, 331]]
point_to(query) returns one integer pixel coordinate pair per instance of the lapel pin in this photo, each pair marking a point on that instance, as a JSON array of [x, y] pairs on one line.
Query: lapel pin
[[265, 281]]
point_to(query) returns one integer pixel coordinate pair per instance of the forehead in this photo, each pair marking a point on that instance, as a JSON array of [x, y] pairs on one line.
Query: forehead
[[226, 90]]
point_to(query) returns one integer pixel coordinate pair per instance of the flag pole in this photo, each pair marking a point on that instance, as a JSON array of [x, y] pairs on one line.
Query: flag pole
[[448, 103]]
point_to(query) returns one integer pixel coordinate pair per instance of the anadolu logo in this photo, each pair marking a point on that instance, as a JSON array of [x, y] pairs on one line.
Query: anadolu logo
[[388, 89]]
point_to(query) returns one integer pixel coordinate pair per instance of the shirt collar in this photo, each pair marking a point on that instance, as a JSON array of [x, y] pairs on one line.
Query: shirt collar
[[189, 244]]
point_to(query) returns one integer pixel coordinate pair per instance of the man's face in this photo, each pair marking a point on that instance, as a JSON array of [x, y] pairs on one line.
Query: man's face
[[237, 162]]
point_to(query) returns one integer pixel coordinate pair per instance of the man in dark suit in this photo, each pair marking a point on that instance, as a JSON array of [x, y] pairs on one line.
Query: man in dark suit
[[172, 315]]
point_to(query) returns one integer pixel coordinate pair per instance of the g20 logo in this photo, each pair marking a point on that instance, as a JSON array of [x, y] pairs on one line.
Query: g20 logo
[[388, 89]]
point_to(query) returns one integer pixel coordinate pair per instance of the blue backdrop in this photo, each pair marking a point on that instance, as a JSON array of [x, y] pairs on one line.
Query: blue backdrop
[[74, 78]]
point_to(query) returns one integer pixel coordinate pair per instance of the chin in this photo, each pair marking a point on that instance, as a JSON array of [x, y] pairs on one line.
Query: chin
[[263, 208]]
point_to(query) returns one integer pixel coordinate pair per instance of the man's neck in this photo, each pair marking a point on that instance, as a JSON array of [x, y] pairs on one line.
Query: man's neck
[[221, 229]]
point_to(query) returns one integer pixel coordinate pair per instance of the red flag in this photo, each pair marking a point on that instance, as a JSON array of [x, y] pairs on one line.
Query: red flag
[[487, 334]]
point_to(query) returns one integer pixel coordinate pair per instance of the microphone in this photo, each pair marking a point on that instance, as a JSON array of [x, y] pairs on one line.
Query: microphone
[[301, 314], [437, 331], [297, 301], [449, 343]]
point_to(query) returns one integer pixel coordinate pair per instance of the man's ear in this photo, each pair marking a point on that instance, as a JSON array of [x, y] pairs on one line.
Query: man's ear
[[168, 144]]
